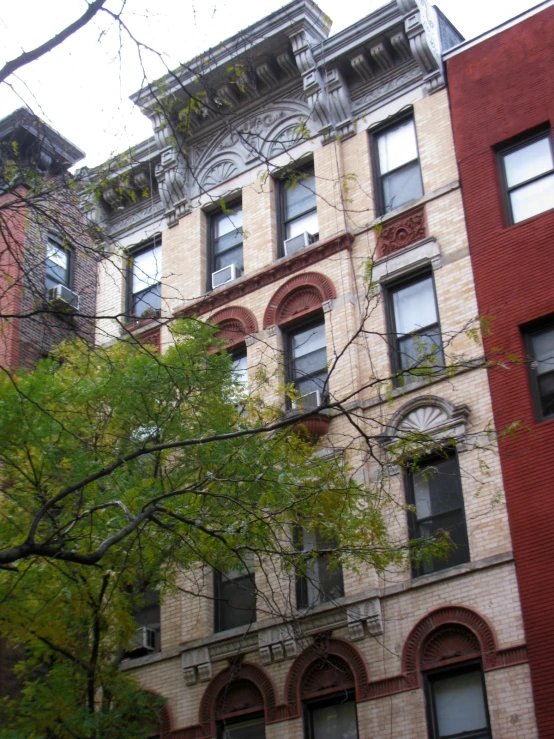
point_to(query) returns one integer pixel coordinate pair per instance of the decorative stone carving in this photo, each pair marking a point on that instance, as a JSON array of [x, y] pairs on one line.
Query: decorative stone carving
[[267, 74], [277, 644], [302, 50], [361, 66], [423, 419], [365, 614], [227, 96], [396, 81], [172, 176], [422, 51], [163, 132], [287, 64], [401, 232], [196, 666], [401, 45], [339, 102], [406, 6], [381, 55], [431, 415], [298, 296], [219, 173]]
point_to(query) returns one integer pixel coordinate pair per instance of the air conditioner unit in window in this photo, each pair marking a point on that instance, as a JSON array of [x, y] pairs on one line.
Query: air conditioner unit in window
[[297, 243], [227, 274], [145, 638], [307, 402], [63, 297]]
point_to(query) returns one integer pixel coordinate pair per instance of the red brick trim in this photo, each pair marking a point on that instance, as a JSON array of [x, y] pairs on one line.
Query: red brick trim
[[244, 672], [235, 324], [237, 290], [402, 231], [322, 650], [298, 297]]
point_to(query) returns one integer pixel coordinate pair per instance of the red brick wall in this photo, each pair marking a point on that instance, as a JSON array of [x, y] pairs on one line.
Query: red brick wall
[[12, 241], [500, 88]]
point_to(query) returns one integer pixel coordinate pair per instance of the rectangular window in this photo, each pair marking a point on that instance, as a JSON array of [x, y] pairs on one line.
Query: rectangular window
[[58, 264], [528, 176], [434, 490], [397, 166], [331, 719], [240, 369], [307, 360], [299, 224], [457, 704], [226, 260], [148, 619], [146, 275], [320, 581], [235, 598], [253, 728], [415, 330], [539, 346]]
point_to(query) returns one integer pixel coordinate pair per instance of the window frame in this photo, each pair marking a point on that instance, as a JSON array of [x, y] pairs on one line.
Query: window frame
[[212, 215], [380, 205], [345, 696], [304, 167], [58, 242], [302, 593], [222, 724], [527, 333], [135, 251], [289, 331], [389, 288], [414, 522], [520, 142], [431, 676], [220, 602]]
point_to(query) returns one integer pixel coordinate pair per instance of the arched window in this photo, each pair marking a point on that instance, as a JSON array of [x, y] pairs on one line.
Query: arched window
[[328, 700]]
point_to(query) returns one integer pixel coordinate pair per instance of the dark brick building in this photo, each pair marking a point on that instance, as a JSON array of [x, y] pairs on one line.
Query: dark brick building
[[502, 100]]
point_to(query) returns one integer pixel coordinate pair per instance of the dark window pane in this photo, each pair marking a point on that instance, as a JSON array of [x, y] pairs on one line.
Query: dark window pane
[[454, 524], [337, 721], [543, 350], [402, 186], [311, 384], [235, 596], [251, 729], [420, 352], [228, 241], [300, 197], [323, 581], [57, 265], [460, 705], [546, 392], [308, 358], [233, 256], [310, 363], [147, 302]]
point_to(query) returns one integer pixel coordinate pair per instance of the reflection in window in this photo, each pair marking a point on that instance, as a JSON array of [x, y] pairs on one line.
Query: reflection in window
[[529, 177], [235, 597], [253, 728], [146, 281], [321, 580], [57, 264], [540, 349], [399, 174], [333, 719], [240, 370], [417, 347], [299, 204], [459, 704], [226, 244], [307, 360], [436, 493]]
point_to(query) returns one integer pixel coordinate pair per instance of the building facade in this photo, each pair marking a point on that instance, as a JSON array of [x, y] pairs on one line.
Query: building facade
[[502, 98], [304, 196]]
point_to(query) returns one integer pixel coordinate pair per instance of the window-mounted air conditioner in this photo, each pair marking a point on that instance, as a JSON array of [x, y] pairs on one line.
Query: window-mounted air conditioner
[[63, 297], [297, 243], [145, 638], [307, 402], [227, 274]]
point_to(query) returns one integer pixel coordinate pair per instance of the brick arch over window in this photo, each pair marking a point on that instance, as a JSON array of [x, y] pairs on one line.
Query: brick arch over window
[[235, 691], [235, 324], [298, 297], [164, 728], [341, 667], [444, 636]]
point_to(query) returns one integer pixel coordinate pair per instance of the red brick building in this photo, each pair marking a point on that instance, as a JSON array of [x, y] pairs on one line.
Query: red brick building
[[502, 101]]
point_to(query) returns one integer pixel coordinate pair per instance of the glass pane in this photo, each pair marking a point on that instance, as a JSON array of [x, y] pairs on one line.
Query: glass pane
[[534, 198], [233, 256], [240, 369], [252, 729], [310, 363], [311, 384], [397, 146], [56, 265], [335, 722], [307, 222], [402, 186], [437, 488], [420, 353], [543, 350], [460, 704], [528, 162], [546, 391], [236, 602], [228, 241], [308, 340], [300, 197], [225, 223], [147, 268], [147, 301], [331, 585], [454, 524], [414, 306]]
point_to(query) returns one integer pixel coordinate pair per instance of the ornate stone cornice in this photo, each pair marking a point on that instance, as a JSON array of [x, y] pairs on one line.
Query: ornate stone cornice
[[277, 271]]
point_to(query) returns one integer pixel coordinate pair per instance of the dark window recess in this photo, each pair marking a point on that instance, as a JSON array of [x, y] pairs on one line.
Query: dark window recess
[[226, 260], [240, 369], [435, 491], [57, 265], [147, 634], [318, 580], [527, 170], [539, 344], [457, 704], [397, 163], [333, 718], [298, 210], [253, 728], [307, 361], [146, 274], [235, 598], [416, 338]]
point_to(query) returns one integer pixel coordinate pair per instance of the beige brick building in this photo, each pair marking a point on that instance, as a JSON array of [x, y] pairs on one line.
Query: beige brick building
[[362, 260]]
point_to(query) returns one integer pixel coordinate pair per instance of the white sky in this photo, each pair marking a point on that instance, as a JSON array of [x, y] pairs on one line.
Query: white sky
[[81, 88]]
